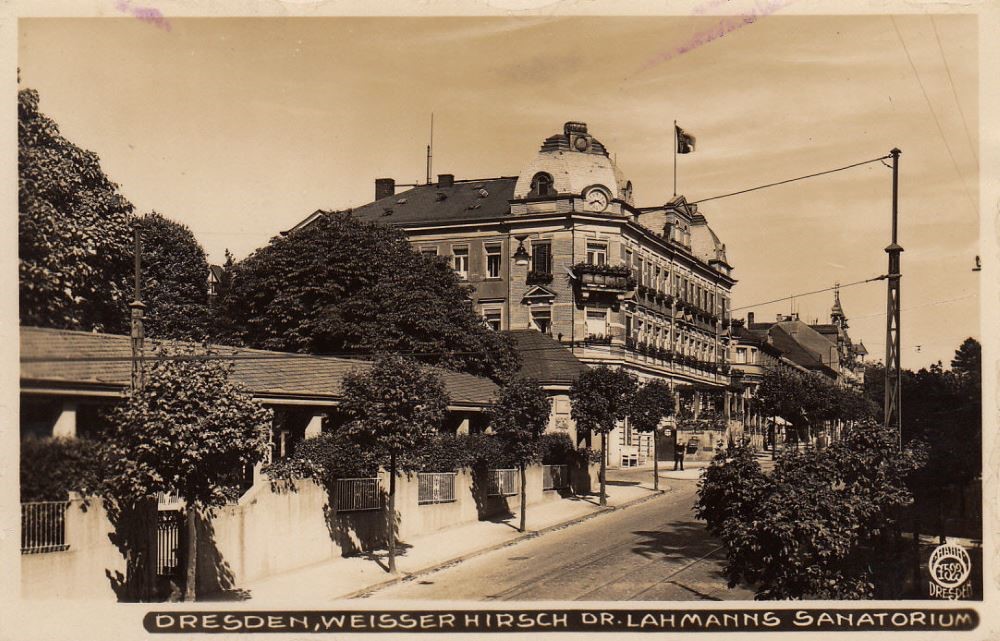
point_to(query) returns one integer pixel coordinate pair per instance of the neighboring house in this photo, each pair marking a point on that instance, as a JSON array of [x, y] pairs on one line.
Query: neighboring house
[[851, 354], [215, 274], [562, 248], [68, 376]]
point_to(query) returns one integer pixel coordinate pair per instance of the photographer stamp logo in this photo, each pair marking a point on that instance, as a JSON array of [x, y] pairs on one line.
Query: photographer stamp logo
[[949, 567]]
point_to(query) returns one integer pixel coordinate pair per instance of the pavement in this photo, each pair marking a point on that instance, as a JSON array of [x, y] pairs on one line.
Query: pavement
[[653, 551], [351, 577]]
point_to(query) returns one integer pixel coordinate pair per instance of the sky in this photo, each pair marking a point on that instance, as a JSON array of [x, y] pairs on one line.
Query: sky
[[240, 128]]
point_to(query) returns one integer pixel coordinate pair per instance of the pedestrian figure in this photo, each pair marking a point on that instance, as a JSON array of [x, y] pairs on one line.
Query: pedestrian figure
[[679, 456]]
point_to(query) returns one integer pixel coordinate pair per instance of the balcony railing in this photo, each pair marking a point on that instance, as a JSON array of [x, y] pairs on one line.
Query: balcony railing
[[614, 279]]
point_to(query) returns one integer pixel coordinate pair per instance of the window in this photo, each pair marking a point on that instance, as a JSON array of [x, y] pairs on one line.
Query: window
[[493, 316], [460, 256], [494, 259], [541, 319], [597, 253], [430, 252], [741, 355], [597, 322], [541, 257], [542, 185]]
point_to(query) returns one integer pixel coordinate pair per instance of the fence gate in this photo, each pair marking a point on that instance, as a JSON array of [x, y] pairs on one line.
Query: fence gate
[[168, 539]]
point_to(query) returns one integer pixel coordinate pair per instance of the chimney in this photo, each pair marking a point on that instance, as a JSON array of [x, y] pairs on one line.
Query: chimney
[[446, 180], [384, 187], [780, 317], [749, 319]]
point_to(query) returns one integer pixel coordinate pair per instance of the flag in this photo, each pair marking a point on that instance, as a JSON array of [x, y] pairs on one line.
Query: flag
[[685, 141]]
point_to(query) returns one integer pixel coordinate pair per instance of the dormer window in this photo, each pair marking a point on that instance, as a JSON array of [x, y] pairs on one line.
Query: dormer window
[[542, 185]]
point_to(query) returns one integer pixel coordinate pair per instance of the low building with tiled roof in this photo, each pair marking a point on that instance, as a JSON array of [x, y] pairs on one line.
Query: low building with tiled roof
[[563, 248], [67, 376], [555, 368]]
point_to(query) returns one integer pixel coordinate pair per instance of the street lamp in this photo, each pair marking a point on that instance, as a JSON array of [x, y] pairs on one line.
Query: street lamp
[[521, 256]]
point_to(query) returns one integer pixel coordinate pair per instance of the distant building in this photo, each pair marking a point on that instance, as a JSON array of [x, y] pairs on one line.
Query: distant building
[[215, 274], [563, 249]]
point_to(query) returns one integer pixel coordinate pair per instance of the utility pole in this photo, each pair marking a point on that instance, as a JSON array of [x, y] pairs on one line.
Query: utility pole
[[893, 377], [137, 308]]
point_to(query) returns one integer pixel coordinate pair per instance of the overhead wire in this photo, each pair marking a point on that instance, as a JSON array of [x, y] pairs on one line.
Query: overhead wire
[[790, 180], [954, 93], [818, 291], [930, 107]]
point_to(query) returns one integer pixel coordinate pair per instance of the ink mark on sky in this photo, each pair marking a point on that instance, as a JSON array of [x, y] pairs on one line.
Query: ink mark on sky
[[151, 15], [725, 25]]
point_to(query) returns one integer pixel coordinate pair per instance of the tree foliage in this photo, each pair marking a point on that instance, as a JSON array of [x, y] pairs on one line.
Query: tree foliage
[[74, 234], [174, 280], [601, 397], [652, 403], [187, 432], [344, 285], [54, 466], [395, 406], [820, 526], [519, 416]]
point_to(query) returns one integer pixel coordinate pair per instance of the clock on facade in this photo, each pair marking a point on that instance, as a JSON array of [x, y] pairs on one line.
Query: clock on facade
[[595, 199]]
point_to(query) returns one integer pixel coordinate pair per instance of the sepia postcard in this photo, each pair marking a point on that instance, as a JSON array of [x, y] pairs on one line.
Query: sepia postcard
[[514, 316]]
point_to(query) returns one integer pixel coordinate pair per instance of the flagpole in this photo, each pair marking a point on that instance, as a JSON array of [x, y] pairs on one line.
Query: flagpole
[[675, 158]]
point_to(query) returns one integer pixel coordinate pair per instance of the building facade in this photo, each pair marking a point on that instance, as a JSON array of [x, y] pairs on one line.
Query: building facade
[[563, 249]]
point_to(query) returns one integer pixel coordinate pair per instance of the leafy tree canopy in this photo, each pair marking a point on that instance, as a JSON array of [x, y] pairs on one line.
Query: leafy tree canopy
[[601, 397], [394, 407], [174, 274], [519, 416], [74, 234], [650, 405], [188, 431], [344, 285], [820, 525]]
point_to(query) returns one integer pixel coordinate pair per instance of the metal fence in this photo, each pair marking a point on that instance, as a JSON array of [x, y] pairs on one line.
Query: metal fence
[[555, 477], [503, 482], [168, 540], [435, 487], [358, 494], [43, 527]]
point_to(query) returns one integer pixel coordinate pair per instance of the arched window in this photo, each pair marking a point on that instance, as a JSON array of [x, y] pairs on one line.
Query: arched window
[[541, 185]]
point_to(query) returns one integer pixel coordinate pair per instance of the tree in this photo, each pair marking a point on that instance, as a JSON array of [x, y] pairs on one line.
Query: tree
[[651, 404], [968, 360], [74, 233], [174, 280], [394, 408], [188, 431], [344, 285], [820, 526], [599, 398], [519, 416]]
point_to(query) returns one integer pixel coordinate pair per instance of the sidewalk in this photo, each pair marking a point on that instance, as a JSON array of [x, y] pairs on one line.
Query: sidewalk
[[350, 577]]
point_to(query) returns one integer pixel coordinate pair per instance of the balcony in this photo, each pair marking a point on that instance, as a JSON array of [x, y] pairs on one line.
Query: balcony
[[614, 280]]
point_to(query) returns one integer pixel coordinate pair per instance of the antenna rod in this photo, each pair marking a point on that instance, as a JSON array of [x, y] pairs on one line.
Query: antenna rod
[[430, 151]]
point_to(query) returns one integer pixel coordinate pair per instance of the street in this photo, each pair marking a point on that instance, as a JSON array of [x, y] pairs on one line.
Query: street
[[650, 552]]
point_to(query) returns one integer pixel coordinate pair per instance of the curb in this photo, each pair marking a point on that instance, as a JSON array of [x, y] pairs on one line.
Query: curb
[[403, 578]]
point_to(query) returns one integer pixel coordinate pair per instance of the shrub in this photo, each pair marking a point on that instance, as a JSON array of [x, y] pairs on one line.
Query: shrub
[[326, 458], [53, 467]]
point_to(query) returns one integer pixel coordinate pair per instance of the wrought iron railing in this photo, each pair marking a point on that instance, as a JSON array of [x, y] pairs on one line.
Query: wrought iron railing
[[358, 494], [43, 526], [435, 487], [502, 482]]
